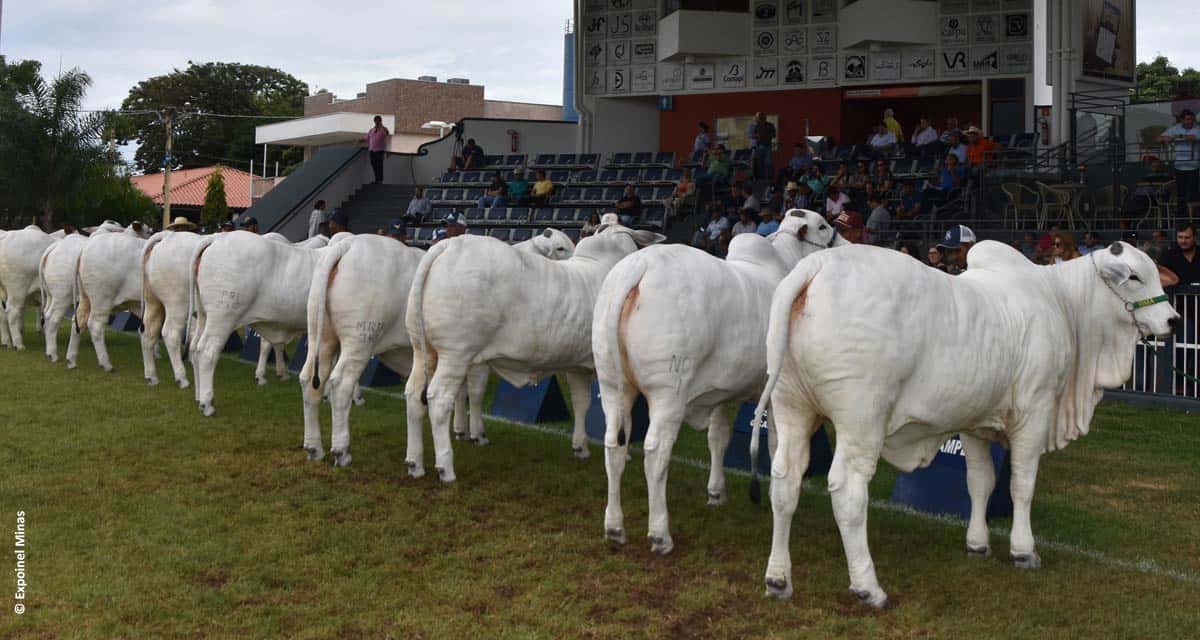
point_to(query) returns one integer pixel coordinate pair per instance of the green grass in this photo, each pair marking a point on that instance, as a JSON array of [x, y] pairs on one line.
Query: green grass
[[147, 520]]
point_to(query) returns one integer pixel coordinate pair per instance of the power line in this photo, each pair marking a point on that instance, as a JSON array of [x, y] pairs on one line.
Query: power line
[[190, 114]]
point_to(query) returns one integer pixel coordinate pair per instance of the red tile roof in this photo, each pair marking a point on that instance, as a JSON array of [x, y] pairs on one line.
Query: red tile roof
[[188, 186]]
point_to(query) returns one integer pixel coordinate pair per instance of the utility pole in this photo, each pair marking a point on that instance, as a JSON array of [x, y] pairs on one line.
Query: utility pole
[[168, 118]]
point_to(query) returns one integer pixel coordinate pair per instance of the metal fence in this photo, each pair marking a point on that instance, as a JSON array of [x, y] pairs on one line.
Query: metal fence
[[1160, 365]]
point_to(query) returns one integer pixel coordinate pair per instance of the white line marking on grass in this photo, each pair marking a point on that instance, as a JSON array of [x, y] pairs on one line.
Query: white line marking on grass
[[1146, 566]]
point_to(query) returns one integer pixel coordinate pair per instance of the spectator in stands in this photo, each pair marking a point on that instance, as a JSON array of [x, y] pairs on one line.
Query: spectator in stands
[[925, 139], [892, 125], [835, 201], [1064, 248], [745, 223], [702, 142], [955, 147], [472, 157], [935, 259], [817, 181], [1182, 260], [711, 236], [907, 249], [770, 223], [496, 194], [797, 165], [860, 179], [717, 170], [882, 141], [878, 229], [1186, 137], [227, 226], [792, 198], [452, 227], [518, 188], [543, 189], [1028, 246], [629, 207], [398, 230], [951, 178], [732, 201], [250, 223], [882, 178], [419, 207], [980, 149], [910, 201], [1091, 242], [339, 222], [956, 243], [380, 231], [684, 195], [762, 137], [589, 227], [377, 144], [951, 129], [850, 224], [749, 200], [318, 218]]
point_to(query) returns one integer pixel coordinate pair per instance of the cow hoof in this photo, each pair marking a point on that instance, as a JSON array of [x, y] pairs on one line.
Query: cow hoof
[[183, 384], [715, 499], [340, 458], [461, 435], [315, 454], [661, 545], [778, 588], [71, 364], [1027, 560], [107, 368], [208, 410], [481, 441], [876, 600], [262, 381], [20, 348], [52, 358], [359, 400], [285, 377], [979, 552], [581, 453], [152, 381], [415, 470], [445, 475], [615, 535]]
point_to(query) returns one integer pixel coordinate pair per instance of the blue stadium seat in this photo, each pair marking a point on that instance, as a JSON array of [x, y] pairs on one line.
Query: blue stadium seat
[[925, 166], [643, 158], [673, 175], [450, 177], [571, 194], [587, 176], [496, 215], [471, 177], [630, 175], [595, 194], [653, 174], [696, 158], [477, 231], [564, 215], [904, 168], [544, 215], [560, 176], [573, 234], [843, 151], [450, 195], [566, 160], [621, 158], [493, 161], [474, 216], [655, 218], [662, 193], [645, 193], [472, 195], [610, 194], [665, 158], [830, 167], [434, 195], [518, 215], [514, 160], [521, 235], [422, 235], [544, 160], [583, 213], [609, 176], [500, 233], [588, 160], [440, 213]]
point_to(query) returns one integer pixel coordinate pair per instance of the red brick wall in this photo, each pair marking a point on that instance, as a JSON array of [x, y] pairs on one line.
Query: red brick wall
[[413, 102]]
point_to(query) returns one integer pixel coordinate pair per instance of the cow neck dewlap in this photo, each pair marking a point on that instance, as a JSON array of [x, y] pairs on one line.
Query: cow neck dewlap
[[1103, 342], [606, 249]]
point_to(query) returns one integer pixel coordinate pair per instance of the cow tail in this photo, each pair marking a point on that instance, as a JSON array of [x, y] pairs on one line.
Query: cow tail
[[777, 340], [416, 309], [77, 295], [626, 279], [43, 290], [317, 296], [155, 239], [193, 293]]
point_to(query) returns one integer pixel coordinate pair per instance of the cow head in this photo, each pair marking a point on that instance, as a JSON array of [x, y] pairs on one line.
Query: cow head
[[553, 244], [613, 241], [1132, 276], [803, 232]]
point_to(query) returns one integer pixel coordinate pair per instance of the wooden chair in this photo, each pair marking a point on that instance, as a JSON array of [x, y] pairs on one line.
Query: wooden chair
[[1110, 200], [1023, 203], [1163, 203]]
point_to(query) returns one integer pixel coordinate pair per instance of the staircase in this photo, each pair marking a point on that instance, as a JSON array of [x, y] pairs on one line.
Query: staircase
[[376, 205]]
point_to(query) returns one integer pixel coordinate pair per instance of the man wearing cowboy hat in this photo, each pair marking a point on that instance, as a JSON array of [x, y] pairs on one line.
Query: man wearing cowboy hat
[[181, 224], [978, 147], [250, 223]]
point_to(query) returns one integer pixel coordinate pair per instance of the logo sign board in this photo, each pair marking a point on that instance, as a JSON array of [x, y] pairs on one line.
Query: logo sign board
[[919, 65], [700, 76], [766, 42], [733, 74], [766, 72], [643, 79], [885, 65], [954, 62], [823, 70], [954, 30], [644, 51], [795, 71], [670, 76]]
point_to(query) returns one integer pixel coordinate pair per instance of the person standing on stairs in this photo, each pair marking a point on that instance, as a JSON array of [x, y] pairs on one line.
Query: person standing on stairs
[[377, 143]]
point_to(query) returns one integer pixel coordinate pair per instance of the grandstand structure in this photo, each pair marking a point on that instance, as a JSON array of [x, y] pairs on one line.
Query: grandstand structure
[[643, 73]]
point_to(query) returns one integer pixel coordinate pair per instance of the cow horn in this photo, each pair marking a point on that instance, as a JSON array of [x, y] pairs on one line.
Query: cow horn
[[1116, 248], [549, 233]]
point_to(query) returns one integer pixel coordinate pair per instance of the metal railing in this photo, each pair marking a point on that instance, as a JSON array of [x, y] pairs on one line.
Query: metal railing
[[1160, 365]]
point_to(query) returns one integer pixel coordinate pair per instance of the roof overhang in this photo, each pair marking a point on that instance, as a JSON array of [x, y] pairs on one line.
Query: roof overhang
[[316, 131]]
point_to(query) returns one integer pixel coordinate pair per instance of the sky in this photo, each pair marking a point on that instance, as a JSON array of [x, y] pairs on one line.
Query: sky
[[341, 45]]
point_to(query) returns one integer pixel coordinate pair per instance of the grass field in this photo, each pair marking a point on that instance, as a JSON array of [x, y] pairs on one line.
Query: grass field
[[146, 520]]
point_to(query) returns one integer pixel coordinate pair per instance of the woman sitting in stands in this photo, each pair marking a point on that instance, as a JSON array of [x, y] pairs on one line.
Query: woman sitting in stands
[[543, 190], [589, 227], [1064, 248], [935, 258], [860, 180], [683, 196], [817, 181]]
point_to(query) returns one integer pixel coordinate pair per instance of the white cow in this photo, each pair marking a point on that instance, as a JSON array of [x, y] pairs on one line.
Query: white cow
[[690, 345], [899, 356], [357, 304], [110, 280], [165, 261], [240, 278], [476, 300], [57, 273], [20, 254]]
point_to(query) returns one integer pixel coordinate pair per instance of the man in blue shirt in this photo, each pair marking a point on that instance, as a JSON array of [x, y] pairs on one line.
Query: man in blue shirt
[[1186, 137], [770, 223]]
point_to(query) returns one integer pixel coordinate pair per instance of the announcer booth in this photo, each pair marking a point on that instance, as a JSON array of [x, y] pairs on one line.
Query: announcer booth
[[647, 71]]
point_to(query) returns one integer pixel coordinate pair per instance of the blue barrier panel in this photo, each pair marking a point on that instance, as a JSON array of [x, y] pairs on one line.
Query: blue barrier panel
[[820, 455], [251, 345], [296, 363], [594, 422], [378, 374], [234, 343], [125, 321], [542, 402], [941, 488]]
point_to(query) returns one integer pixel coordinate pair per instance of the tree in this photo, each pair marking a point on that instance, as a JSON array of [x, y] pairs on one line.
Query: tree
[[215, 88], [49, 148], [215, 209], [1158, 81]]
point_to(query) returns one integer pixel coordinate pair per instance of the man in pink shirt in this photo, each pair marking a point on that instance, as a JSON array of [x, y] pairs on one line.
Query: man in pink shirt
[[377, 143]]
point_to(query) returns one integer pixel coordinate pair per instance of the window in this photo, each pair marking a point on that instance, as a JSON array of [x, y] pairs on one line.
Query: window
[[734, 131], [733, 6]]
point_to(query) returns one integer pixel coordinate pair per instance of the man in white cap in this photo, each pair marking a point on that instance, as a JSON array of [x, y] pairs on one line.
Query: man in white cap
[[957, 242]]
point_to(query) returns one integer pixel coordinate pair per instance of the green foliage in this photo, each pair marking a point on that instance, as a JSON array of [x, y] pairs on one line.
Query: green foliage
[[215, 209], [212, 87], [1158, 81], [49, 149], [109, 197]]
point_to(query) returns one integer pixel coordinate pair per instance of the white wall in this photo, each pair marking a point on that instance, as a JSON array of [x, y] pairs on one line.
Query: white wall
[[624, 124]]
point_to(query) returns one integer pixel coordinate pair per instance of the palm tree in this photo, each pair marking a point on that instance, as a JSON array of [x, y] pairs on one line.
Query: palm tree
[[49, 147]]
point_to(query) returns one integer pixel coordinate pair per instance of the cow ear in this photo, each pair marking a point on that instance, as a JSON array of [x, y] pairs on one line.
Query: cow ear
[[1114, 270], [646, 238], [802, 232]]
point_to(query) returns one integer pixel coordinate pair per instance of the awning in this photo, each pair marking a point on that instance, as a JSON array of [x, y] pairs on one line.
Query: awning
[[917, 91], [316, 131]]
